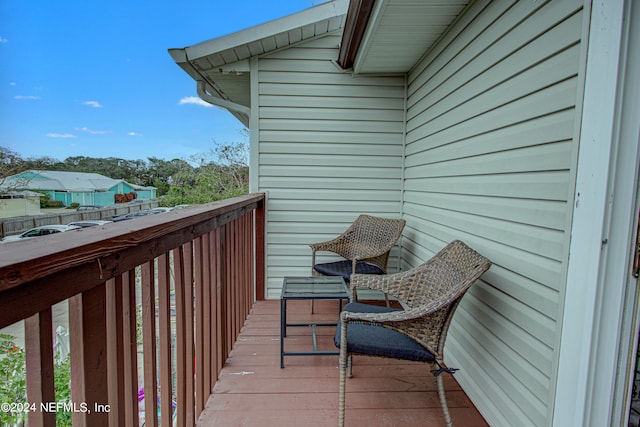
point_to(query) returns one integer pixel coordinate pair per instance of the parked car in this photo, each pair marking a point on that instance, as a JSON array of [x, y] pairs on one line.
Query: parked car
[[132, 215], [161, 210], [39, 231], [180, 207], [87, 208], [89, 223]]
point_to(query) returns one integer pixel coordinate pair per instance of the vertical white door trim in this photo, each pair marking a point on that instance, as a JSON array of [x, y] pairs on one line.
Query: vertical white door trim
[[627, 198], [598, 273]]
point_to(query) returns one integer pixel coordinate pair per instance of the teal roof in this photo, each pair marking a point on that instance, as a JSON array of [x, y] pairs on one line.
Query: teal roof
[[62, 181]]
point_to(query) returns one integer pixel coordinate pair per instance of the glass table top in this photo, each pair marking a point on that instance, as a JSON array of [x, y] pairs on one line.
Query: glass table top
[[314, 287]]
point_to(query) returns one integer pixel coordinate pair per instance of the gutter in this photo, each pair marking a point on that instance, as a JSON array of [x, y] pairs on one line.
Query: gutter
[[358, 17], [203, 93], [206, 89]]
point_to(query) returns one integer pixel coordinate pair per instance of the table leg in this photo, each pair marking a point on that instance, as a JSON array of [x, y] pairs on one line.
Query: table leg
[[283, 328]]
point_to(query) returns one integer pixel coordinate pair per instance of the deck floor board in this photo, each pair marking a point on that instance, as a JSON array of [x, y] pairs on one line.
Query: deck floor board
[[253, 391]]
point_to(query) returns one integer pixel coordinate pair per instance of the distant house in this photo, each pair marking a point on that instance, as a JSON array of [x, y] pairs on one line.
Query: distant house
[[77, 187], [19, 203], [511, 125]]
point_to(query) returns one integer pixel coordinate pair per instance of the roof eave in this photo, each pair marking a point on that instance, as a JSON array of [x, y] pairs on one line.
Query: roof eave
[[208, 90], [358, 17], [317, 13]]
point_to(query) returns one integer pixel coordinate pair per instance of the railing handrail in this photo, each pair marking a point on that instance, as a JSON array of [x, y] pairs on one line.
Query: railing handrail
[[98, 254]]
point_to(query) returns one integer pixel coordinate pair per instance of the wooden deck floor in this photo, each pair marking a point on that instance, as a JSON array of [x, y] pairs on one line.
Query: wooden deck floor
[[254, 391]]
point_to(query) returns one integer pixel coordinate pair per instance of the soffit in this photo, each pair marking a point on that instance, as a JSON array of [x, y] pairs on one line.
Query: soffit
[[399, 32], [223, 63]]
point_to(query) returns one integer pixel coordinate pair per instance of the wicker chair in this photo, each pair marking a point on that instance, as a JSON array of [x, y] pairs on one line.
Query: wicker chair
[[365, 245], [430, 294]]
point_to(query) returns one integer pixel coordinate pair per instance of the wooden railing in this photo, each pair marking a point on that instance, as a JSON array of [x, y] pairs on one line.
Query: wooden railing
[[195, 273]]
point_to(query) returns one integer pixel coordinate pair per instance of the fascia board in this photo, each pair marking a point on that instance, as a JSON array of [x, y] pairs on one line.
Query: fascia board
[[318, 13]]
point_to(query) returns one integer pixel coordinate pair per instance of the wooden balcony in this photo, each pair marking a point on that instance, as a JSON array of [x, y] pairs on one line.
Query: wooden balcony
[[252, 390], [166, 303]]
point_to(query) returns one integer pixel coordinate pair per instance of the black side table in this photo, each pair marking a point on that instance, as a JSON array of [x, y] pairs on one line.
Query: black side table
[[309, 288]]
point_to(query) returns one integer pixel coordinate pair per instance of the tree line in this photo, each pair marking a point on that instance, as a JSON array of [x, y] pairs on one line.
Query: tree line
[[219, 174]]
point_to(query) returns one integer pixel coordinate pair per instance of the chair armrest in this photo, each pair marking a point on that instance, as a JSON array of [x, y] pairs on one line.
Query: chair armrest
[[388, 283], [333, 245], [392, 316], [351, 251], [322, 246]]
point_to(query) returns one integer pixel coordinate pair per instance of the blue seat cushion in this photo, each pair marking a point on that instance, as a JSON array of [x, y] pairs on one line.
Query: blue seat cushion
[[379, 341], [344, 269]]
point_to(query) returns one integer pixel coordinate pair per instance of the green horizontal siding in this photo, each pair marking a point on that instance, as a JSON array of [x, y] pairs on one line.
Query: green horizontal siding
[[490, 153], [330, 148]]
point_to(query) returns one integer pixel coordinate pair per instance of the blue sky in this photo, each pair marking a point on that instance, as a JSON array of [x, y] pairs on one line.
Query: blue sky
[[94, 78]]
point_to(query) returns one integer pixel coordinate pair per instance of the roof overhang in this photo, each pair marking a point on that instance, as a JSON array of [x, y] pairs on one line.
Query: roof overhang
[[391, 36], [221, 66], [355, 26]]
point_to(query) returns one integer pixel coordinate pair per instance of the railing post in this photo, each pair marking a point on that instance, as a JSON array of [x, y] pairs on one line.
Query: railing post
[[260, 248]]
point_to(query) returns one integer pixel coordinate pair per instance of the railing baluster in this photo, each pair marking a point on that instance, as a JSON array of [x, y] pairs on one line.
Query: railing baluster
[[130, 349], [215, 306], [181, 370], [115, 355], [252, 262], [88, 342], [164, 321], [218, 293], [228, 289], [246, 262], [198, 329], [221, 295], [235, 282], [149, 344], [206, 316], [39, 365], [189, 352]]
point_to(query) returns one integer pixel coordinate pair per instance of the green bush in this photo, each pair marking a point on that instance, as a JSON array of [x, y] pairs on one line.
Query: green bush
[[54, 204], [14, 387], [44, 198], [13, 379]]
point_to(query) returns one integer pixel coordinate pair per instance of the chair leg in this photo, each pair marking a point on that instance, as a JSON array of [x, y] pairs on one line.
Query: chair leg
[[443, 401], [344, 361]]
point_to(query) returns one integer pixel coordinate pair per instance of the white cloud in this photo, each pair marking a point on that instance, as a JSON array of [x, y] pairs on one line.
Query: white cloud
[[26, 97], [3, 40], [61, 135], [12, 84], [93, 132], [94, 104], [194, 100], [134, 134]]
